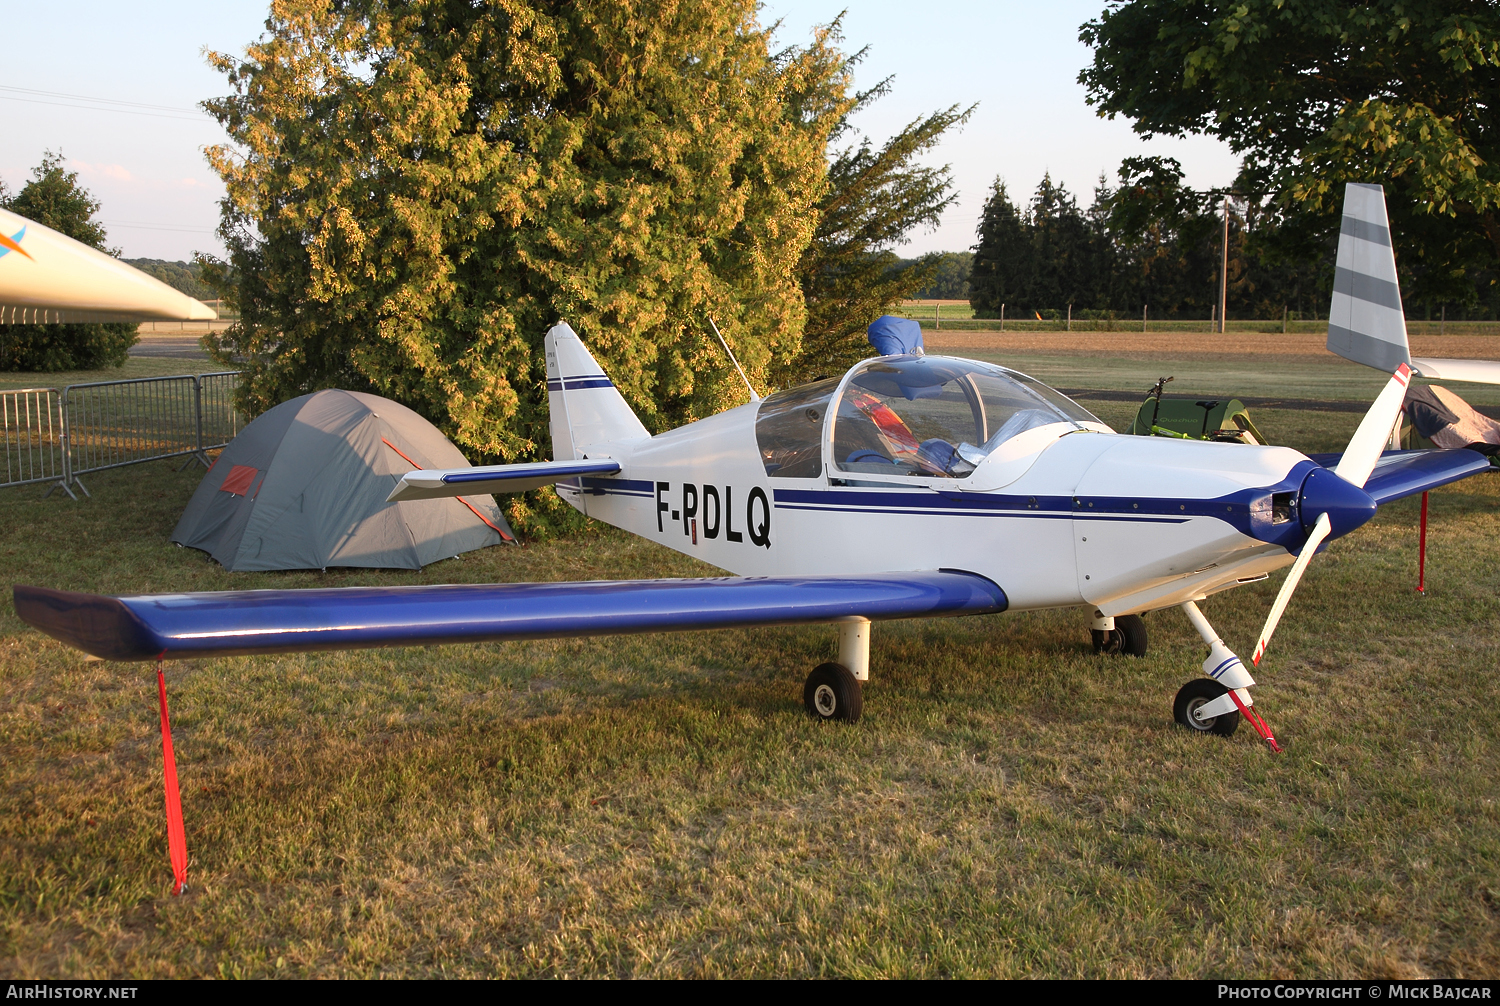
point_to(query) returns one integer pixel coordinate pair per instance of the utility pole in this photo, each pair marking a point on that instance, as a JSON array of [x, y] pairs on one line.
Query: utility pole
[[1224, 271]]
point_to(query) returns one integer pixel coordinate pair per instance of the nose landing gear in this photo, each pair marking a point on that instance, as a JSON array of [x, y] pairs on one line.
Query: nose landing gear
[[1214, 704], [1196, 696]]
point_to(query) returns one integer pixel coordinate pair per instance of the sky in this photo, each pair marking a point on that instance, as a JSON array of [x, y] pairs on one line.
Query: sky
[[114, 88]]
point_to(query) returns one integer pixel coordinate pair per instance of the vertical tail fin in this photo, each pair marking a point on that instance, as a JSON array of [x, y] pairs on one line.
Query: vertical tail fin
[[1365, 321], [585, 406]]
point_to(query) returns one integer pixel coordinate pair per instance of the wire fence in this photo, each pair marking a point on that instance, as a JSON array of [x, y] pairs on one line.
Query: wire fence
[[52, 436]]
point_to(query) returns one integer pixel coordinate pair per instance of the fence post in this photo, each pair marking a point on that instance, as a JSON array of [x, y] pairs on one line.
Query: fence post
[[1002, 317], [67, 428], [197, 454], [1070, 318]]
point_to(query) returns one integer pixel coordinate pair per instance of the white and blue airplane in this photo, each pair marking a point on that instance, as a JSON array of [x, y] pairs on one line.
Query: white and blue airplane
[[912, 486]]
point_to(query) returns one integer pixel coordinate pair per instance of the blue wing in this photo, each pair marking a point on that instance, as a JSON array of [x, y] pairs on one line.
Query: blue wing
[[1399, 474], [288, 621]]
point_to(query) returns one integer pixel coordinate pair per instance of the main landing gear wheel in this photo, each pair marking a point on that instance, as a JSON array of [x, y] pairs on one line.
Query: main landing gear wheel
[[1199, 692], [1128, 637], [833, 693]]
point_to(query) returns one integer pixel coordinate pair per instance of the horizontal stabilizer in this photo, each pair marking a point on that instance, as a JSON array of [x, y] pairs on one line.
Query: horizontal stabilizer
[[170, 626], [1476, 371], [1399, 474], [431, 484]]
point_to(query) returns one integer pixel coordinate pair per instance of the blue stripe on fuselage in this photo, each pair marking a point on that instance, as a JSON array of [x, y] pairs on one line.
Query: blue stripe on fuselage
[[615, 487], [1234, 509]]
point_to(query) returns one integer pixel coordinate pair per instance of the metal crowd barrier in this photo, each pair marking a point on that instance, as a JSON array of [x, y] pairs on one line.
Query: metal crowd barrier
[[35, 442], [52, 437]]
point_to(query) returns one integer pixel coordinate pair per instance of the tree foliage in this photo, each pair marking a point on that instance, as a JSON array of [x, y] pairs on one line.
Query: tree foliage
[[949, 279], [1316, 93], [54, 199], [874, 199], [1049, 255], [185, 277], [1150, 240], [421, 188]]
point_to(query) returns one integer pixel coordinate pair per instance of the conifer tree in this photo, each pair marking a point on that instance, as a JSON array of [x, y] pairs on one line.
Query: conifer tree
[[1002, 258], [875, 199]]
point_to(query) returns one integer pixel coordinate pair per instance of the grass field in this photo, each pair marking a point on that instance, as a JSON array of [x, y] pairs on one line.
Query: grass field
[[135, 367], [1010, 805]]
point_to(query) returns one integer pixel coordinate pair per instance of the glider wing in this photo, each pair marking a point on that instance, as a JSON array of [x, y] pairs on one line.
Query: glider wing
[[1476, 371], [48, 277], [169, 626]]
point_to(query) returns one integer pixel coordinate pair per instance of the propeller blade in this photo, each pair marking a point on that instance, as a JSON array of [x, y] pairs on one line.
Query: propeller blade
[[1374, 430], [1320, 531]]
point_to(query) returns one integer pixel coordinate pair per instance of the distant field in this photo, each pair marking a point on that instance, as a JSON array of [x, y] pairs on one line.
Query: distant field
[[660, 805], [958, 316]]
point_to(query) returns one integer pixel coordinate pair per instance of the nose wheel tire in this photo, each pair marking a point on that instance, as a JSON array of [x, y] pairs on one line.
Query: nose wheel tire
[[1127, 638], [1197, 693], [832, 692]]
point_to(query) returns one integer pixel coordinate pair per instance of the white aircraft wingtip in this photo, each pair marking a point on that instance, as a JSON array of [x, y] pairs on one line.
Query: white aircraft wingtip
[[47, 277]]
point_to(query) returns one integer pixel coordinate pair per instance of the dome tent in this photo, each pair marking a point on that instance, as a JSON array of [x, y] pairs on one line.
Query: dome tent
[[304, 487]]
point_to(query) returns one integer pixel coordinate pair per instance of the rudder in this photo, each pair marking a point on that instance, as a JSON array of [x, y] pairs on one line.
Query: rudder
[[585, 408], [1365, 321]]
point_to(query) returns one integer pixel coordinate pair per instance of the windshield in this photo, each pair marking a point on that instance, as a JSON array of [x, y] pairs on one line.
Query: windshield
[[789, 430], [931, 416]]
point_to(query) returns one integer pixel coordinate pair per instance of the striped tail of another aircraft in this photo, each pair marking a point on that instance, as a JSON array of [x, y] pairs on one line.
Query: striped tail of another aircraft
[[1366, 322]]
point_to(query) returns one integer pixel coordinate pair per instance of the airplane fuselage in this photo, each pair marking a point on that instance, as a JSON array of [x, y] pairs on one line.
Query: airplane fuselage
[[1064, 515]]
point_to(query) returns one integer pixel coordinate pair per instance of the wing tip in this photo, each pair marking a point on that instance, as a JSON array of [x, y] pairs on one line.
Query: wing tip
[[94, 623]]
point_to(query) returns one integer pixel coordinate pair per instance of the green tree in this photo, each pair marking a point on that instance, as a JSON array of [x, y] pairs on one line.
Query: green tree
[[1315, 93], [1002, 258], [185, 277], [419, 189], [874, 200], [950, 278], [54, 199], [1046, 258]]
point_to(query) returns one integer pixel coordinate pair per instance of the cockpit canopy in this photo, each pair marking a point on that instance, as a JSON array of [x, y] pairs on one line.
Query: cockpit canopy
[[907, 415]]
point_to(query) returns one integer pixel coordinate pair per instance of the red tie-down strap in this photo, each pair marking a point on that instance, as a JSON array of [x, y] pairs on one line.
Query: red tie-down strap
[[1256, 722], [502, 534], [176, 835]]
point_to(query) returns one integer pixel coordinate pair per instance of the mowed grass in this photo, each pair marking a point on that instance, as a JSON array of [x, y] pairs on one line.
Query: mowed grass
[[1010, 805], [134, 368]]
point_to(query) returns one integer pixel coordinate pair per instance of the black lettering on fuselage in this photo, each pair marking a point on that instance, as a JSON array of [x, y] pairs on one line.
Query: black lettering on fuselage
[[711, 524], [729, 531], [661, 507], [689, 505], [759, 534], [713, 507]]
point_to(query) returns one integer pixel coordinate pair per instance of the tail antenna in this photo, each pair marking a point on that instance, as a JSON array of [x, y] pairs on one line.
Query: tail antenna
[[753, 396]]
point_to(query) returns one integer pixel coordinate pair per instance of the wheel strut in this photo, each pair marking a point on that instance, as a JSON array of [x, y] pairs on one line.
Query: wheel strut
[[834, 690], [1227, 670]]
